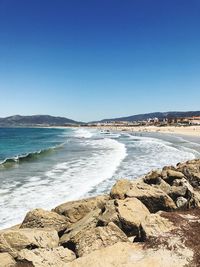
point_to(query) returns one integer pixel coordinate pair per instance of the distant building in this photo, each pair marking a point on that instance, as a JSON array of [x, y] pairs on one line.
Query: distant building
[[194, 120]]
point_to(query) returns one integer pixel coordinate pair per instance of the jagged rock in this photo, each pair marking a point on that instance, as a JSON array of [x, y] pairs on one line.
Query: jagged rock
[[109, 214], [76, 210], [120, 188], [191, 170], [195, 200], [165, 187], [153, 198], [131, 213], [135, 255], [155, 225], [183, 183], [153, 177], [55, 257], [127, 214], [87, 241], [86, 223], [192, 196], [15, 240], [6, 260], [165, 170], [170, 175], [177, 191], [40, 218]]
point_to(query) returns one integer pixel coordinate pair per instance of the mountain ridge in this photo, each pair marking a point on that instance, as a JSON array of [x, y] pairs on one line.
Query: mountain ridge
[[159, 115], [19, 120]]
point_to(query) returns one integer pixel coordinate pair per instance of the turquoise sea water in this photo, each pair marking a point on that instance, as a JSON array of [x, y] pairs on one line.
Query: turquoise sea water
[[19, 143], [43, 167]]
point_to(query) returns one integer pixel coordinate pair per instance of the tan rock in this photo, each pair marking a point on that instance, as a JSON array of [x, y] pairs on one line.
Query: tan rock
[[175, 174], [169, 167], [153, 198], [76, 210], [153, 177], [177, 191], [155, 225], [170, 175], [87, 241], [191, 170], [40, 218], [131, 213], [86, 223], [54, 257], [109, 214], [13, 240], [194, 200], [127, 214], [134, 255], [165, 187], [192, 195], [165, 170], [120, 188], [6, 260]]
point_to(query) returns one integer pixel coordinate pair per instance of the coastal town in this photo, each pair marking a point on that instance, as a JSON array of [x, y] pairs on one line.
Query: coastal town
[[168, 121]]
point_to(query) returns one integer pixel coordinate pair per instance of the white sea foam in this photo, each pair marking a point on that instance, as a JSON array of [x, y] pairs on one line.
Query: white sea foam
[[145, 154], [83, 133], [65, 181], [89, 170]]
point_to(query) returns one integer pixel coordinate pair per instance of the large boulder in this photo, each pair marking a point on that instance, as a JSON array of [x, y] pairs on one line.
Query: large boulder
[[153, 177], [170, 175], [76, 210], [6, 260], [109, 214], [86, 223], [191, 170], [177, 191], [127, 214], [84, 242], [15, 240], [131, 213], [192, 196], [135, 255], [54, 257], [153, 198], [164, 186], [40, 218], [155, 225], [120, 188]]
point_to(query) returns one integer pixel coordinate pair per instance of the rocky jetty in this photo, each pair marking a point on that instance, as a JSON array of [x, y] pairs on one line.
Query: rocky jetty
[[152, 221]]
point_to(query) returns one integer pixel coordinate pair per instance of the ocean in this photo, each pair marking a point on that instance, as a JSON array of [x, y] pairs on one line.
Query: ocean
[[43, 167]]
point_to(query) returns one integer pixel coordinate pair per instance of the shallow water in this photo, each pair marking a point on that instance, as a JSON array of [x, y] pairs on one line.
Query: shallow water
[[67, 164]]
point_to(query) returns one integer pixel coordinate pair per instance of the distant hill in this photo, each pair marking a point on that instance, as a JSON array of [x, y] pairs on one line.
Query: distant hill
[[18, 120], [159, 115]]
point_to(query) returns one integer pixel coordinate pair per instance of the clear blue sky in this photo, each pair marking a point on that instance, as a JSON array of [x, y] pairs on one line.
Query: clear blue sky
[[95, 59]]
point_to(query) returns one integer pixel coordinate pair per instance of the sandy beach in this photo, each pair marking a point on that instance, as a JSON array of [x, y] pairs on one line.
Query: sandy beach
[[180, 130]]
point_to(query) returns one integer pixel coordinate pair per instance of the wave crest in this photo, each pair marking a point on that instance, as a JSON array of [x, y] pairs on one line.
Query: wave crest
[[9, 162]]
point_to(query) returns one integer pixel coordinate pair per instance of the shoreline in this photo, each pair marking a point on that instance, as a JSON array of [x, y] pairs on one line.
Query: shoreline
[[193, 131]]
